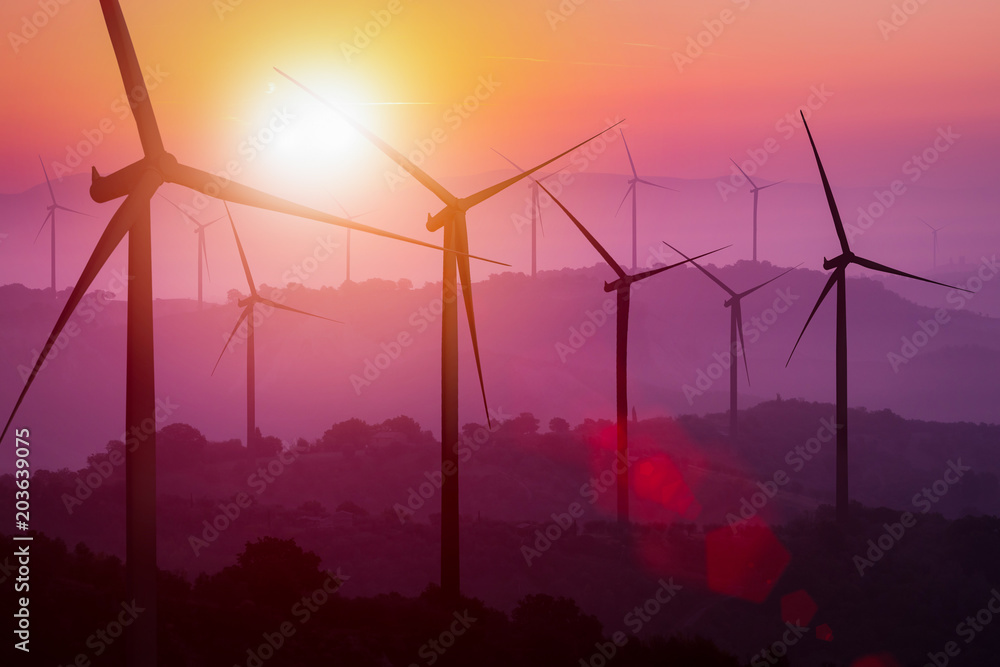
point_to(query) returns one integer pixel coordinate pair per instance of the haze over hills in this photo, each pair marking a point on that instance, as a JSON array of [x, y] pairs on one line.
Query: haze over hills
[[547, 349], [702, 214]]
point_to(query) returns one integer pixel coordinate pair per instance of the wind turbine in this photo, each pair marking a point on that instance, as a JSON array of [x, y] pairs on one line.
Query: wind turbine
[[348, 243], [536, 212], [51, 217], [623, 289], [452, 219], [138, 183], [733, 303], [202, 251], [934, 233], [248, 305], [755, 189], [633, 188], [839, 266]]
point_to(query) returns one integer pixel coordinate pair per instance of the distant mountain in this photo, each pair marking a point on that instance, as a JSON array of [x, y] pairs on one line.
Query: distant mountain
[[547, 347]]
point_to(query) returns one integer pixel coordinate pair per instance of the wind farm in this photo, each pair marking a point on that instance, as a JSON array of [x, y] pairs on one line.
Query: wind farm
[[291, 453]]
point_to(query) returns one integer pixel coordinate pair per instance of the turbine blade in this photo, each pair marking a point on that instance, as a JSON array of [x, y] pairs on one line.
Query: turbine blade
[[423, 177], [73, 210], [135, 86], [201, 181], [590, 237], [767, 282], [243, 316], [483, 195], [212, 222], [47, 181], [243, 257], [929, 226], [281, 306], [341, 207], [714, 279], [652, 272], [629, 153], [838, 223], [631, 187], [771, 185], [834, 277], [541, 177], [738, 314], [182, 211], [875, 266], [135, 206], [655, 185], [51, 215], [752, 184], [465, 276]]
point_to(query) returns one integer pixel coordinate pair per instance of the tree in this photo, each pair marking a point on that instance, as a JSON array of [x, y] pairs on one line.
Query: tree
[[348, 436], [559, 425], [403, 424]]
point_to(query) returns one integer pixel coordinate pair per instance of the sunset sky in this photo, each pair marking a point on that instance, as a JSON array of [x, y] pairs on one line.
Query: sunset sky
[[547, 74]]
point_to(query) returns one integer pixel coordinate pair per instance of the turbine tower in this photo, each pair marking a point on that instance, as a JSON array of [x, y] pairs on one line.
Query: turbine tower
[[755, 190], [536, 212], [839, 266], [248, 305], [51, 217], [138, 183], [199, 229], [934, 233], [452, 219], [623, 290], [734, 304], [633, 188]]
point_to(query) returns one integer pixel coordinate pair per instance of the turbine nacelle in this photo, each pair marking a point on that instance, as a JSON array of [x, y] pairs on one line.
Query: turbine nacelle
[[441, 218], [839, 262], [121, 183]]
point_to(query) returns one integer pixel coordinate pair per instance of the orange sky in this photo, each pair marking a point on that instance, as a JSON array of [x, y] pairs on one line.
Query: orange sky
[[558, 81]]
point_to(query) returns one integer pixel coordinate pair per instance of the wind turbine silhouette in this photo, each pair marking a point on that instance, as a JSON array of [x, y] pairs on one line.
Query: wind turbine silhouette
[[138, 183], [202, 250], [755, 190], [452, 219], [348, 242], [623, 289], [248, 305], [934, 233], [733, 303], [633, 189], [839, 266], [536, 212], [51, 217]]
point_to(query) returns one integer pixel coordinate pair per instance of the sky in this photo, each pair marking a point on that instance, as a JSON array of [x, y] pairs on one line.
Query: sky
[[448, 82]]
